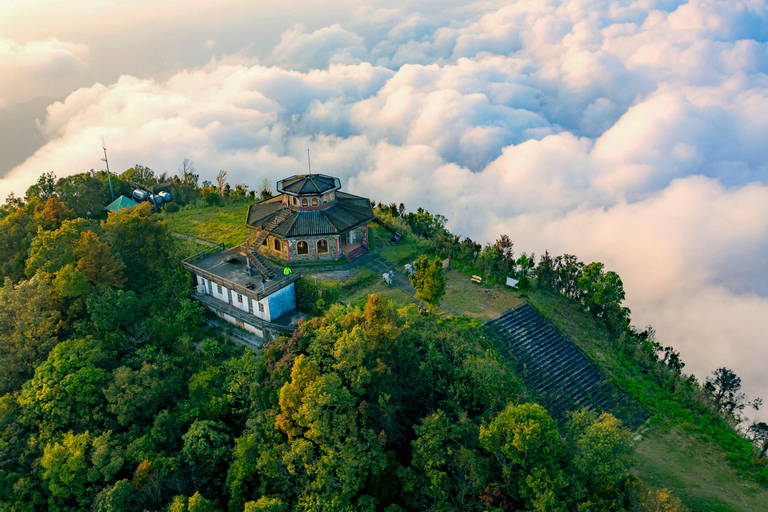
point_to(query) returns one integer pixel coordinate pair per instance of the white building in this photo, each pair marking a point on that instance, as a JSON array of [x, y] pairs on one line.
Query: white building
[[225, 287]]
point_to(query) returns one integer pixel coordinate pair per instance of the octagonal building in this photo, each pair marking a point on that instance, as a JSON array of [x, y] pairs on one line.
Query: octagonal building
[[310, 220]]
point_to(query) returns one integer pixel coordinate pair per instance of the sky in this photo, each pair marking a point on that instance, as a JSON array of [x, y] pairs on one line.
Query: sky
[[632, 133]]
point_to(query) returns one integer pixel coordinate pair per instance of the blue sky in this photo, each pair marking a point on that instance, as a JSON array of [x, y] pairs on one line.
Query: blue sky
[[631, 133]]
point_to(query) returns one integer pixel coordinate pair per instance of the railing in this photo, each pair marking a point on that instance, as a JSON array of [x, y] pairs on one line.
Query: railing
[[204, 253], [241, 315]]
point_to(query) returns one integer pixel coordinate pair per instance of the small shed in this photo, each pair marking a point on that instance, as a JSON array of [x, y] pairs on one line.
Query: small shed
[[512, 283], [120, 203]]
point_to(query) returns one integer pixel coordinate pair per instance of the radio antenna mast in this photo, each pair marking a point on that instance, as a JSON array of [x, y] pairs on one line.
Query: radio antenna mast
[[109, 176], [309, 163]]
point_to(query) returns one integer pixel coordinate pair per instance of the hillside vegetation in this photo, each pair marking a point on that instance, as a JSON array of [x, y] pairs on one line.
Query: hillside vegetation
[[116, 395]]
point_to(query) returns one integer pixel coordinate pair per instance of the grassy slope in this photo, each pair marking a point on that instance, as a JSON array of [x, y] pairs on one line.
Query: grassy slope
[[690, 465], [214, 223]]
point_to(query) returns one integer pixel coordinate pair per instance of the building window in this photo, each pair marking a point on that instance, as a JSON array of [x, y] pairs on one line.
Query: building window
[[239, 299], [295, 202], [325, 198], [264, 242], [278, 246], [218, 288], [302, 248], [261, 307], [322, 246], [304, 202], [314, 201], [330, 196]]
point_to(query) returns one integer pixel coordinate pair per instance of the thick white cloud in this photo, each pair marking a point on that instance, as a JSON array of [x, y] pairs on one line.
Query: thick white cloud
[[627, 133], [39, 68]]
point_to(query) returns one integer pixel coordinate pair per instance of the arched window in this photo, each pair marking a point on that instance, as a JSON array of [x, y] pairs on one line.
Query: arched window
[[302, 248], [330, 196], [278, 245], [304, 202], [322, 246], [314, 201], [295, 202], [325, 198]]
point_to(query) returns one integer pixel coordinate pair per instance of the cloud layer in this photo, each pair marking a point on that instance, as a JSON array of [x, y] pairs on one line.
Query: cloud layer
[[633, 134]]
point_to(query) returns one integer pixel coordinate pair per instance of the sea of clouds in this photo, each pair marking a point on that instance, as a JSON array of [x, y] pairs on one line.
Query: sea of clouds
[[633, 133]]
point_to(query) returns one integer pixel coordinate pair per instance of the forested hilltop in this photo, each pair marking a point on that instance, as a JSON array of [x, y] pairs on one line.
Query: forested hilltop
[[116, 395]]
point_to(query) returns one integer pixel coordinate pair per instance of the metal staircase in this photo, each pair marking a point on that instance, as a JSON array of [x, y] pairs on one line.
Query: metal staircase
[[257, 237]]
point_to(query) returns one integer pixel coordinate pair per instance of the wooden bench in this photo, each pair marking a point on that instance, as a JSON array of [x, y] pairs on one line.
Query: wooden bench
[[477, 279]]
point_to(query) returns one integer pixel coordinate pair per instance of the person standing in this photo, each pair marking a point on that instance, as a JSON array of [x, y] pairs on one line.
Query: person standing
[[263, 282]]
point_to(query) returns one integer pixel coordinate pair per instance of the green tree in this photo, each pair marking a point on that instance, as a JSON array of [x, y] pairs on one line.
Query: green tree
[[139, 175], [137, 395], [51, 250], [88, 193], [195, 503], [724, 388], [428, 280], [66, 390], [29, 323], [96, 261], [120, 497], [207, 450], [141, 242], [602, 447], [70, 282], [447, 470], [266, 504], [602, 294], [331, 453], [43, 189], [111, 309], [65, 473], [528, 447]]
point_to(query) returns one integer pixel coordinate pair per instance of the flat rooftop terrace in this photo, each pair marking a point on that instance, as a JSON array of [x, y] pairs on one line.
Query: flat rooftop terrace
[[227, 267]]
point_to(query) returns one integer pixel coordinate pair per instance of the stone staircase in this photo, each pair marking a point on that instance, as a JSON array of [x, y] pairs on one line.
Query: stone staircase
[[257, 237], [561, 376], [356, 253]]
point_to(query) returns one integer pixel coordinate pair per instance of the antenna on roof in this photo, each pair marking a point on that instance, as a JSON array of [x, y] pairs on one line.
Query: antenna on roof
[[109, 176], [309, 163]]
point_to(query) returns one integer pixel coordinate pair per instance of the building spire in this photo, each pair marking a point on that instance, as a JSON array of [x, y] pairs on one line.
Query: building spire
[[309, 163]]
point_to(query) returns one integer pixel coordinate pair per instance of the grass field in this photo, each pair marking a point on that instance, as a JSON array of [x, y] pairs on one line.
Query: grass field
[[697, 472], [214, 223], [475, 300]]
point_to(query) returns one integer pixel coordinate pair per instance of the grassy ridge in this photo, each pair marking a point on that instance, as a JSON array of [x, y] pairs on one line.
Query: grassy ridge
[[224, 223]]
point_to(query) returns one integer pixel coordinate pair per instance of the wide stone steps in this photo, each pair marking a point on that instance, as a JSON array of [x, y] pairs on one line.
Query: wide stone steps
[[561, 376]]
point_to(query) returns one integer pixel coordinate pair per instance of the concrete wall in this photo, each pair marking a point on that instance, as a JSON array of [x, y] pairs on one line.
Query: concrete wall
[[240, 302], [281, 302]]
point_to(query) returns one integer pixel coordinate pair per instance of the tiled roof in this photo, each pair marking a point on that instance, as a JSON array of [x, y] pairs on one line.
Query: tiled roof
[[348, 212], [308, 184]]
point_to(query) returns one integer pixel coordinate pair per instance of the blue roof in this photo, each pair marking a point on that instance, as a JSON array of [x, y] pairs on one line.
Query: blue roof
[[120, 203]]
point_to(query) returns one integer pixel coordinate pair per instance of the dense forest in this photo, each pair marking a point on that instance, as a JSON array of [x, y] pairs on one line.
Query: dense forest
[[116, 396]]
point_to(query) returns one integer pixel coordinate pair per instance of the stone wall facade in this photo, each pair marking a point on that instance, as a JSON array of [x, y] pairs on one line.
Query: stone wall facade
[[289, 249], [312, 250]]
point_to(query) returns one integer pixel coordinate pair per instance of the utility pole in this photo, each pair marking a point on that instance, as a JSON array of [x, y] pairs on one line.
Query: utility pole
[[109, 176]]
